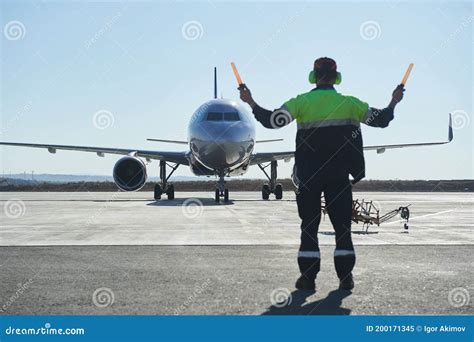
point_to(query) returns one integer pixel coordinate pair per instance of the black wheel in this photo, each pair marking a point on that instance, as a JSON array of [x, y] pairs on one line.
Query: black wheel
[[217, 197], [170, 192], [226, 195], [278, 191], [158, 192], [265, 191]]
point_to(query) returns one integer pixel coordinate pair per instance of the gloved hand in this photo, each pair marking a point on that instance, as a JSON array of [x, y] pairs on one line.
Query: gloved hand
[[397, 94], [246, 95]]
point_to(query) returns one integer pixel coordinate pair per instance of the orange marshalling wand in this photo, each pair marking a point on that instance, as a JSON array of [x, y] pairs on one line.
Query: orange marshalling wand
[[236, 73], [407, 74]]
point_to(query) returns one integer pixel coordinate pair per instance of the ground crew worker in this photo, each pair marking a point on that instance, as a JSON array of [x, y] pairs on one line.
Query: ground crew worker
[[328, 149]]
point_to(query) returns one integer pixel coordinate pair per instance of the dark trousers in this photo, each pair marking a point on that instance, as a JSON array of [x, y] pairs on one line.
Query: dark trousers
[[338, 198]]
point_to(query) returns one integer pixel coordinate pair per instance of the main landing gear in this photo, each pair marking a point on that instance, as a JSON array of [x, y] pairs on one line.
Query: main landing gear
[[221, 190], [272, 187], [163, 187]]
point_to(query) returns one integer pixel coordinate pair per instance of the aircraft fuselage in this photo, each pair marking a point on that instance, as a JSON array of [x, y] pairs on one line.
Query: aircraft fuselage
[[221, 136]]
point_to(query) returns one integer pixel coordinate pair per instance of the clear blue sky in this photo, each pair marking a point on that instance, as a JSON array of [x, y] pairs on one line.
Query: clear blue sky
[[68, 60]]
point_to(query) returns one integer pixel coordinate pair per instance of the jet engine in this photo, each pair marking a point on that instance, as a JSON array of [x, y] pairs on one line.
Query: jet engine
[[130, 173]]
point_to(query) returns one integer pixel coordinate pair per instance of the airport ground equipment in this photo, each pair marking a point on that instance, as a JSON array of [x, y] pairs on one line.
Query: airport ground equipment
[[367, 213]]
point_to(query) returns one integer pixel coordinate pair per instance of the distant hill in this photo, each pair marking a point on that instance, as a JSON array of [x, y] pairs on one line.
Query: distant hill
[[181, 184]]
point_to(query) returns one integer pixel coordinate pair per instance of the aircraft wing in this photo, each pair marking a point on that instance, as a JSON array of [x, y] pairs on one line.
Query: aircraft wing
[[174, 157], [266, 157], [382, 148]]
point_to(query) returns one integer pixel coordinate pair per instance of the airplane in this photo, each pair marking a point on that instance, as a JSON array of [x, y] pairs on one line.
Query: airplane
[[221, 140]]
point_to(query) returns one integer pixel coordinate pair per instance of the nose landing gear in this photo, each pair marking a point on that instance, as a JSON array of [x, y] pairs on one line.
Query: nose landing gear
[[272, 187], [221, 190]]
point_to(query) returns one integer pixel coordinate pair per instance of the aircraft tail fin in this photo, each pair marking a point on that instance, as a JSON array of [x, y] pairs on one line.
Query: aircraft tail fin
[[215, 82]]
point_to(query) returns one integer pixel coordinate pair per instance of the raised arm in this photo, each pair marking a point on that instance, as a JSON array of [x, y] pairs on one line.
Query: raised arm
[[382, 117], [270, 119]]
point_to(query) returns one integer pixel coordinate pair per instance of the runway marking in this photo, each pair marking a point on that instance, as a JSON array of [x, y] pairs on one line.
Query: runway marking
[[423, 216]]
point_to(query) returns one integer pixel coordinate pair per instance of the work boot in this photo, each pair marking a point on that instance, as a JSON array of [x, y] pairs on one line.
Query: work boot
[[304, 283], [347, 283]]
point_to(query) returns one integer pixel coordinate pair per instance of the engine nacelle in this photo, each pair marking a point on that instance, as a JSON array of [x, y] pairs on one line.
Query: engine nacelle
[[130, 173]]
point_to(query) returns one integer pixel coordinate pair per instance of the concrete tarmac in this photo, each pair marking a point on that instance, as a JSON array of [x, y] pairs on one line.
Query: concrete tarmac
[[118, 218], [121, 253]]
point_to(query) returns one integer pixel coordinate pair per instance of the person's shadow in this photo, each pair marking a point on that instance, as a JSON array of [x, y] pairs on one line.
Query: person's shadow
[[295, 304]]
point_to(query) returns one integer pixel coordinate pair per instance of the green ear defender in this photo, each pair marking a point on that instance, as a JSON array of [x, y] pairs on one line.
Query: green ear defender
[[312, 77]]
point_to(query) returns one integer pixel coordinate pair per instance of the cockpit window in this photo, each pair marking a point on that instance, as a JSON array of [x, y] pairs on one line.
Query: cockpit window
[[227, 116], [231, 116], [214, 116]]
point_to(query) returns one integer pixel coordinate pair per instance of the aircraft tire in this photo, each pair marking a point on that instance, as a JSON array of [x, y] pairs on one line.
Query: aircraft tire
[[265, 192], [158, 192], [226, 195], [278, 191], [170, 192]]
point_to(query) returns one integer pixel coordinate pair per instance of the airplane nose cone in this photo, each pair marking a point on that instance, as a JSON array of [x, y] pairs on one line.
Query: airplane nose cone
[[222, 154], [222, 145]]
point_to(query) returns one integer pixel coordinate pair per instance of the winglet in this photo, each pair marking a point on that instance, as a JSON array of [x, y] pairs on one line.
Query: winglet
[[450, 130], [215, 82]]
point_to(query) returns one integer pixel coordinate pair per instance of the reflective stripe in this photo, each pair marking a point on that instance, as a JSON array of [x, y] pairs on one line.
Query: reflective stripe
[[328, 123], [308, 254], [343, 252]]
